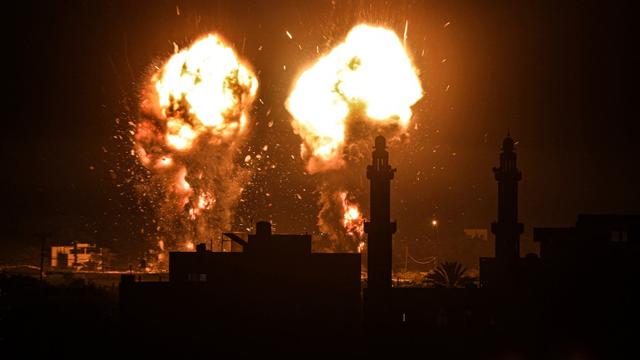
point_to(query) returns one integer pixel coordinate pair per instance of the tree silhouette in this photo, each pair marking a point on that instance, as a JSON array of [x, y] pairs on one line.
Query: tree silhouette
[[449, 275]]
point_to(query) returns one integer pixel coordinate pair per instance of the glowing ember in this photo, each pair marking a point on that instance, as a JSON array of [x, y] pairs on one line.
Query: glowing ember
[[369, 72], [193, 117]]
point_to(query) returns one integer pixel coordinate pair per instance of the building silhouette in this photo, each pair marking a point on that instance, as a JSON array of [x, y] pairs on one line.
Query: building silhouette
[[79, 256], [378, 297], [396, 316], [610, 236], [600, 250], [380, 229], [502, 270], [507, 229], [275, 294]]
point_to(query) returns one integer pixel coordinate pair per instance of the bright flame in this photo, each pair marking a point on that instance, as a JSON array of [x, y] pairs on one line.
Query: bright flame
[[182, 189], [199, 90], [361, 246], [164, 162], [352, 219], [370, 72], [205, 202]]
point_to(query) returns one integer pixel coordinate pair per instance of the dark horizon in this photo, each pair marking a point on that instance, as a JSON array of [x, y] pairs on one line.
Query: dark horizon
[[560, 77]]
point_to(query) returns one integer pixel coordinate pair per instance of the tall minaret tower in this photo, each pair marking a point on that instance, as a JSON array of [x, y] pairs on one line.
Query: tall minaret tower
[[380, 229], [507, 229]]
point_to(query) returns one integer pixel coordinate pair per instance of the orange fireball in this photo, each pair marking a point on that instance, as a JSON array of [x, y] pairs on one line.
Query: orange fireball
[[204, 88], [370, 71]]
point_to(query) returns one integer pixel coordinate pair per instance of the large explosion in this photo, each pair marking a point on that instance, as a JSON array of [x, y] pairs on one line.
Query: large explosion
[[193, 118], [364, 86]]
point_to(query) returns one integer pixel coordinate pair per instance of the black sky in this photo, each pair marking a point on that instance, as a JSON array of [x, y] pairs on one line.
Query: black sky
[[562, 76]]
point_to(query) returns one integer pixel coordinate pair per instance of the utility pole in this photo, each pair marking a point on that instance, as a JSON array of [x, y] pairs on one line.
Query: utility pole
[[406, 257], [436, 237], [43, 247]]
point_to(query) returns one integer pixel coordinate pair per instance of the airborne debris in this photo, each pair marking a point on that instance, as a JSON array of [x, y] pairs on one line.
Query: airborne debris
[[406, 28], [190, 177]]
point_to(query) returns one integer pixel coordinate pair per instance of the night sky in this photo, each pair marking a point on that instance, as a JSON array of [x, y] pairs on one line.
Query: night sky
[[561, 76]]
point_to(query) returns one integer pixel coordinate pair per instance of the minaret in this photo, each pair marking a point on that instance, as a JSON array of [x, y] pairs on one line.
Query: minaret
[[380, 229], [507, 229]]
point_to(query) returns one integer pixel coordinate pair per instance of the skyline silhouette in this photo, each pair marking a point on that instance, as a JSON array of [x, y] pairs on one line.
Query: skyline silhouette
[[330, 178]]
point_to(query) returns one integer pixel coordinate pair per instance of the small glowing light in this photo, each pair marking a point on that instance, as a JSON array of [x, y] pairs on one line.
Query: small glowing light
[[190, 246], [434, 222]]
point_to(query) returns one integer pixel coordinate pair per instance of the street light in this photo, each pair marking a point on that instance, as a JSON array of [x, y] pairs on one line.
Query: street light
[[434, 224]]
